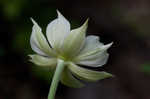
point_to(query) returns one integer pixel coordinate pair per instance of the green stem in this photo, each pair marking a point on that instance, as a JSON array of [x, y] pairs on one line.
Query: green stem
[[56, 78]]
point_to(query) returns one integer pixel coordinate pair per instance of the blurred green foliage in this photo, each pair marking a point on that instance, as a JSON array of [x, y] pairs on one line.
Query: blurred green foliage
[[12, 8], [2, 51], [146, 68]]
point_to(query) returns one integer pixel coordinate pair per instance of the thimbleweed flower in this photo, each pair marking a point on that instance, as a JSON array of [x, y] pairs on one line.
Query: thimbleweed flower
[[69, 50]]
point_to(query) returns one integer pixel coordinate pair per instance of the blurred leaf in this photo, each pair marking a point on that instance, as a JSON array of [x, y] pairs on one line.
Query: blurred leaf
[[12, 8], [21, 41], [146, 68], [2, 51]]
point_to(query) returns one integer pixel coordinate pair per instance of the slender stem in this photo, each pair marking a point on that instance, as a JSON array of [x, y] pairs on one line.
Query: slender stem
[[56, 78]]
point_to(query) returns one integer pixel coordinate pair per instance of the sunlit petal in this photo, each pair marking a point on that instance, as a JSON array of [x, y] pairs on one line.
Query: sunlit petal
[[94, 53], [57, 30], [74, 41], [96, 60], [38, 42]]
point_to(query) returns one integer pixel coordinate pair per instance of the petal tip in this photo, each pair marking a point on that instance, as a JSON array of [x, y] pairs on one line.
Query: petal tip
[[86, 22], [112, 43], [31, 56], [32, 20], [109, 75], [59, 14], [108, 45], [30, 60], [57, 11]]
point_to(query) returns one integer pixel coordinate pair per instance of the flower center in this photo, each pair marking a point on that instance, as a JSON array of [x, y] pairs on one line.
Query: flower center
[[65, 58]]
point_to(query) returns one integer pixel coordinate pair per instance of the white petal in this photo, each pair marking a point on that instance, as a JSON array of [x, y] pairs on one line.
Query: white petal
[[74, 41], [38, 41], [86, 74], [95, 60], [69, 80], [57, 30], [92, 42], [94, 53], [43, 61]]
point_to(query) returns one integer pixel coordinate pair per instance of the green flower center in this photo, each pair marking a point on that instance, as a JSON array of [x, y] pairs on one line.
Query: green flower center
[[65, 58]]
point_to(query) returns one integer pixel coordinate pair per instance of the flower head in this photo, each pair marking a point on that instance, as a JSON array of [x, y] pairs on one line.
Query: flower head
[[73, 47]]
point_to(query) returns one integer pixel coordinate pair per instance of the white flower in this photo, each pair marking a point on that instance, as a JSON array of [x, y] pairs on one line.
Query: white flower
[[73, 47]]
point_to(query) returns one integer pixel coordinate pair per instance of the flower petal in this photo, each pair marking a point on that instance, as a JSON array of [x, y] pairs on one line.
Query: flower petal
[[88, 75], [74, 41], [94, 53], [57, 30], [38, 41], [43, 61], [70, 81], [95, 60]]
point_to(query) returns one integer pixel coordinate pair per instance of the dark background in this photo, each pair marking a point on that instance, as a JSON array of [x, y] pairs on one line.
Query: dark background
[[125, 22]]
